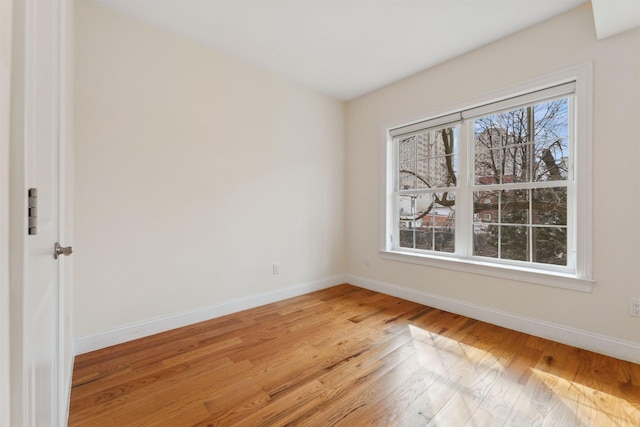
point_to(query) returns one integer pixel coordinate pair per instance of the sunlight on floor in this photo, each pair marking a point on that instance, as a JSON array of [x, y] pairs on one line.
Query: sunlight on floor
[[501, 385], [591, 406]]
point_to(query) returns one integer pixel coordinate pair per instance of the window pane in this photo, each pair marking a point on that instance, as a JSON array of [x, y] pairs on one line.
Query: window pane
[[424, 145], [424, 240], [485, 240], [549, 245], [406, 238], [485, 206], [514, 243], [514, 207], [549, 206], [407, 149], [551, 140], [488, 134], [516, 164], [551, 160], [444, 240], [407, 210], [423, 172], [423, 203], [439, 222], [488, 169], [407, 176], [444, 173]]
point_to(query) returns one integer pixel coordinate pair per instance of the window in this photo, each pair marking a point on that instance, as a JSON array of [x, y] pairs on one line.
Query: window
[[499, 187]]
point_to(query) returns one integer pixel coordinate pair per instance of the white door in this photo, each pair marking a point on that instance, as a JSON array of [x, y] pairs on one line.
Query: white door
[[35, 161], [5, 85]]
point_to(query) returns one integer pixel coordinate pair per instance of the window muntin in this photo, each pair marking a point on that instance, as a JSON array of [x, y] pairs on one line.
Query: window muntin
[[514, 192]]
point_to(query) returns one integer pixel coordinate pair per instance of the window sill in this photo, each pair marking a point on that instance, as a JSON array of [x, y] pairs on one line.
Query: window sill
[[547, 278]]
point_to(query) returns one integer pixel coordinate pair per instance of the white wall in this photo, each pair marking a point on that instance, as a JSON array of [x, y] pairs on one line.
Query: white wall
[[193, 174], [556, 44]]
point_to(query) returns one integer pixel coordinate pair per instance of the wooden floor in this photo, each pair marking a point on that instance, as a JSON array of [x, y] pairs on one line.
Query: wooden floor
[[351, 357]]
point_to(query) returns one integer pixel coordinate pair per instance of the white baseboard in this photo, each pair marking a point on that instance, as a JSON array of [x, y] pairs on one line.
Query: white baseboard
[[620, 349], [87, 343]]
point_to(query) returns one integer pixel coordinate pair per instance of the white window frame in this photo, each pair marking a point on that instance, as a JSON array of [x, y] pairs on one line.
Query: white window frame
[[578, 274]]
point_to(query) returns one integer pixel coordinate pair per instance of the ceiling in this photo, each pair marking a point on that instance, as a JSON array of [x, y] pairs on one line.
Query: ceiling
[[343, 48]]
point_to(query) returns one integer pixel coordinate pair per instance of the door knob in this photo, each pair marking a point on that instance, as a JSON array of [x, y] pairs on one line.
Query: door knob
[[60, 250]]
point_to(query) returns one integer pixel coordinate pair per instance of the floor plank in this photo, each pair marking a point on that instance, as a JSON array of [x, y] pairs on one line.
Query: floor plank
[[347, 356]]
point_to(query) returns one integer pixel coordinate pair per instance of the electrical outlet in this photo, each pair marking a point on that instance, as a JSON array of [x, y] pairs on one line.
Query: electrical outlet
[[276, 268], [367, 261], [634, 307]]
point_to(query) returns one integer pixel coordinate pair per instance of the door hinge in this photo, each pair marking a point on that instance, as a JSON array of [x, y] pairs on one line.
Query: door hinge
[[32, 211]]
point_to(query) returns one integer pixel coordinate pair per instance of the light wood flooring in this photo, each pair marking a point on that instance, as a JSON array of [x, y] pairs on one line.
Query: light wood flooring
[[350, 357]]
